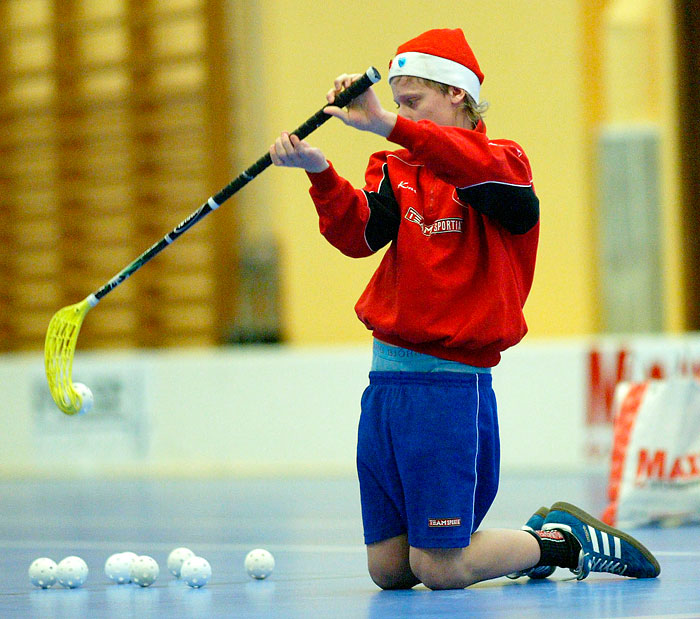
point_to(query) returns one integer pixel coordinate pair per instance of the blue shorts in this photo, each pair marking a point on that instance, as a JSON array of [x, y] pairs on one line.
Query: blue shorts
[[428, 456]]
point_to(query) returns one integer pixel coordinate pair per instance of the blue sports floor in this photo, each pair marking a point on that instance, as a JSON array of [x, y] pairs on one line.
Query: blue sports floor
[[313, 529]]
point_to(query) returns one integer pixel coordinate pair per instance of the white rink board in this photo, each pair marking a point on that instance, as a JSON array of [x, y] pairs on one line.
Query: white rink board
[[286, 411]]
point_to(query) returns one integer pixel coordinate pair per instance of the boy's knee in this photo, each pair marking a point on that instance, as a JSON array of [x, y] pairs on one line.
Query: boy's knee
[[435, 576], [390, 579], [440, 568], [388, 564]]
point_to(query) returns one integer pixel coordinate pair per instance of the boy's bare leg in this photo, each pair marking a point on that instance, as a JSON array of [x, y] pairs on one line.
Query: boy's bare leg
[[491, 553], [389, 565], [393, 564]]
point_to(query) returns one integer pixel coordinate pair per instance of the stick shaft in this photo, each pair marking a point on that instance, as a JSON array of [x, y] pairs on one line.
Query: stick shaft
[[370, 77]]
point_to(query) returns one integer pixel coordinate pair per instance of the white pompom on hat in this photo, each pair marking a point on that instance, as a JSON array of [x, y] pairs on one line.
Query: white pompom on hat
[[441, 55]]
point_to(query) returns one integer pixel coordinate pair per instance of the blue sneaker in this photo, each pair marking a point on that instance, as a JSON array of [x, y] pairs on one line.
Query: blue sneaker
[[543, 571], [603, 548]]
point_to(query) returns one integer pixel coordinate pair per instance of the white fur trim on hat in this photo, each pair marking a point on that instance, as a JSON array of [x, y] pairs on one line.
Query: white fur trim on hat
[[436, 68]]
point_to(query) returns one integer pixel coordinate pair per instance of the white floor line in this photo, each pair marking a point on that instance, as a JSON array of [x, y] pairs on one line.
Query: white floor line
[[119, 546], [299, 523], [338, 549]]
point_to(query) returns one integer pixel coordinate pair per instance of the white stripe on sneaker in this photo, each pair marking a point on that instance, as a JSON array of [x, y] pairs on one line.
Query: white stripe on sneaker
[[618, 547], [594, 538], [606, 544]]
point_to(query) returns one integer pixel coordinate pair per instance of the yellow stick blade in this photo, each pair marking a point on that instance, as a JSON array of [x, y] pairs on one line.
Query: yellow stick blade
[[59, 348]]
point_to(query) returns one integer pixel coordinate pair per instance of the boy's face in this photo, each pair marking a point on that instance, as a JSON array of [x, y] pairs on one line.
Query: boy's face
[[418, 101]]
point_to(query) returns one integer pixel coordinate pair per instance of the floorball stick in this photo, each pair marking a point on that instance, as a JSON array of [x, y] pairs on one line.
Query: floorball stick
[[63, 330]]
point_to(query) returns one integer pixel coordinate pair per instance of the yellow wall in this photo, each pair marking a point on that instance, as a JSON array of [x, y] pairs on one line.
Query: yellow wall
[[555, 71], [529, 53], [672, 215]]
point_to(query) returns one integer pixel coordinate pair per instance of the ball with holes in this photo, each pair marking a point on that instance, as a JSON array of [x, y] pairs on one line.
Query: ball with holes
[[87, 398], [176, 558], [144, 571], [259, 563], [196, 572], [118, 567], [72, 572], [42, 572]]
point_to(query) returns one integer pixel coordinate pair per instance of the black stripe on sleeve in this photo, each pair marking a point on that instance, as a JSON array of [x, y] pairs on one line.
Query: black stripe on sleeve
[[515, 207], [383, 224]]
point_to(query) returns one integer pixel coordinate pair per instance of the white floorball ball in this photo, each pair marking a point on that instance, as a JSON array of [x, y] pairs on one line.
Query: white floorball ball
[[259, 563], [144, 571], [42, 572], [87, 397], [72, 572], [196, 572], [176, 558], [118, 567]]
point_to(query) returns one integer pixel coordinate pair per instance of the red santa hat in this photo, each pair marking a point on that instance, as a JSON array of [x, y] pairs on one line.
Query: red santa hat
[[441, 55]]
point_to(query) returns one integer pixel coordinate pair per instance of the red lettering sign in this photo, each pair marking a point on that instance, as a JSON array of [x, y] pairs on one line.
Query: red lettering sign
[[601, 385], [683, 468], [648, 467]]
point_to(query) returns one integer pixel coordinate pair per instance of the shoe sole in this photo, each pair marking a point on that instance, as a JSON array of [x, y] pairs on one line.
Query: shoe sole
[[586, 518], [542, 512]]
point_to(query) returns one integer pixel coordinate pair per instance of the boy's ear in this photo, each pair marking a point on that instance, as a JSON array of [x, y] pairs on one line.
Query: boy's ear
[[457, 95]]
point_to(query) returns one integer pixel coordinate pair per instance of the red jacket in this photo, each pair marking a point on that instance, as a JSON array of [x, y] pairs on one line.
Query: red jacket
[[462, 218]]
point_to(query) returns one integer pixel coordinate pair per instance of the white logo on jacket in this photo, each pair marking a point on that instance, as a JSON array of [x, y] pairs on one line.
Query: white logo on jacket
[[405, 185], [439, 226]]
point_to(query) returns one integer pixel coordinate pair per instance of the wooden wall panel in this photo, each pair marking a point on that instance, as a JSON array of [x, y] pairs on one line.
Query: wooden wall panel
[[114, 116]]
